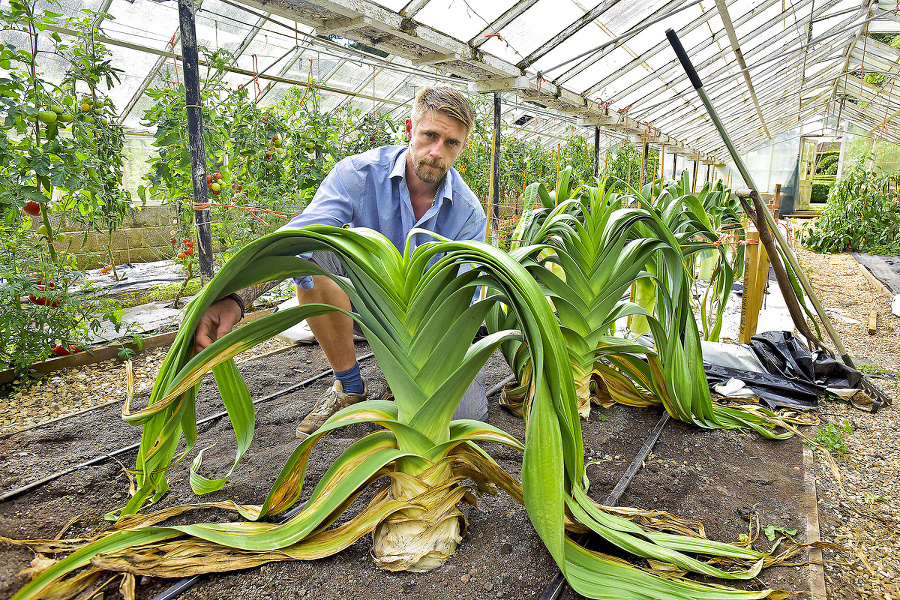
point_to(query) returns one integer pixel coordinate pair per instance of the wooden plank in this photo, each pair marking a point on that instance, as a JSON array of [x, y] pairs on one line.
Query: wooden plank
[[91, 357], [873, 321], [756, 271], [109, 352]]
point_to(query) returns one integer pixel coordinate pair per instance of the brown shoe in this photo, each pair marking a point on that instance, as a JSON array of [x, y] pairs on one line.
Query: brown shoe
[[334, 400]]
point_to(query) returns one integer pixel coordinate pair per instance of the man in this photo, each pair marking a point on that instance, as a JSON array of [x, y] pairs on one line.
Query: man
[[391, 189]]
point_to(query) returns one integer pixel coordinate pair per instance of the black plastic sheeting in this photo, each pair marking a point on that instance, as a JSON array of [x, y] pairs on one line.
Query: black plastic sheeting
[[794, 377]]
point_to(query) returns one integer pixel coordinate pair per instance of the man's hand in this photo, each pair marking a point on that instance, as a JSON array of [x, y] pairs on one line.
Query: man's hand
[[219, 319]]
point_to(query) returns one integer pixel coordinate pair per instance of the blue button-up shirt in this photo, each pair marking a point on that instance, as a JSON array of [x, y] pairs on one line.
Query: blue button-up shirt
[[370, 190]]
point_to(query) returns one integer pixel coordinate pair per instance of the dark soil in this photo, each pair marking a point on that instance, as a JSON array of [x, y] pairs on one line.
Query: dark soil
[[722, 478]]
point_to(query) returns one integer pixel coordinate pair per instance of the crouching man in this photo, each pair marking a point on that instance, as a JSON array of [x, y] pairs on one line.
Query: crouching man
[[392, 190]]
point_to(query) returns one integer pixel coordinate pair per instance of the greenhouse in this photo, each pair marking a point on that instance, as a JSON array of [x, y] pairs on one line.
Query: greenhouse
[[449, 299]]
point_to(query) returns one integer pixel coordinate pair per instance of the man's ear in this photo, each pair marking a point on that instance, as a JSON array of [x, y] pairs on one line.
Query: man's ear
[[408, 129]]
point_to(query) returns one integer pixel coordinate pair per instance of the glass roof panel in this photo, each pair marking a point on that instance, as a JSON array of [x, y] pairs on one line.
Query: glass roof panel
[[587, 39], [462, 19], [757, 24], [312, 65], [622, 16], [221, 26], [135, 66], [385, 82], [538, 25], [349, 76], [146, 23]]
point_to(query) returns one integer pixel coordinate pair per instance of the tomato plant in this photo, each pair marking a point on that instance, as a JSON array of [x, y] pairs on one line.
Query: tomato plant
[[51, 164]]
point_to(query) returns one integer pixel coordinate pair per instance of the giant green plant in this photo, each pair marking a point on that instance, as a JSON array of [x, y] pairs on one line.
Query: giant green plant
[[600, 248], [419, 321], [699, 224]]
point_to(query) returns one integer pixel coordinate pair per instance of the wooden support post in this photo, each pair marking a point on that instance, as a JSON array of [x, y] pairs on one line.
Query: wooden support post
[[645, 152], [596, 151], [495, 169], [696, 174], [776, 201], [873, 321], [195, 136], [756, 272], [662, 165], [674, 162]]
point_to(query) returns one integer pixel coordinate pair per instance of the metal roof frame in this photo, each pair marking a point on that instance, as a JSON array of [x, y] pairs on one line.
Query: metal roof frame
[[767, 67]]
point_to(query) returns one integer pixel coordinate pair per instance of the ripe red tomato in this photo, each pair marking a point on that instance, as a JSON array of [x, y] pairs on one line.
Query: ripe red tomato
[[189, 244], [32, 208], [60, 350], [208, 178], [181, 255], [189, 252], [218, 176]]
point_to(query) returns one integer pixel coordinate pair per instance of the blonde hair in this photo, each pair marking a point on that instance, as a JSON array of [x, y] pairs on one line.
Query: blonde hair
[[445, 99]]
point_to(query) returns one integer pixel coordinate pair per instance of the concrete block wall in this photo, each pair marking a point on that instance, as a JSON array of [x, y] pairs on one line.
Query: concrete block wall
[[143, 237]]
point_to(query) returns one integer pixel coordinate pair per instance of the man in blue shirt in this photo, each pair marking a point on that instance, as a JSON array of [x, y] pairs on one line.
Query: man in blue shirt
[[391, 190]]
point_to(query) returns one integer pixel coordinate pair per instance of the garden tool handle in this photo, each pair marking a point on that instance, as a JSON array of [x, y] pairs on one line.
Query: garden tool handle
[[683, 57]]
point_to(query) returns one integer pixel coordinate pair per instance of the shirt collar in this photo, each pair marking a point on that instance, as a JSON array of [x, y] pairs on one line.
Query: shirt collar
[[399, 170]]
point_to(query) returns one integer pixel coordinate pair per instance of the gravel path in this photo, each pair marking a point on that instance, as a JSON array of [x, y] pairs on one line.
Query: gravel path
[[74, 390], [865, 517]]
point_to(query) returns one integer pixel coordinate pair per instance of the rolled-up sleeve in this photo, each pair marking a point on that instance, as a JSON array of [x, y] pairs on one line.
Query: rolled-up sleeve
[[332, 205]]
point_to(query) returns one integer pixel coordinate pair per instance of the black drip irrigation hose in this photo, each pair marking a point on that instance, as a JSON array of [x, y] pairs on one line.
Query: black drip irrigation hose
[[556, 585], [183, 585], [104, 457]]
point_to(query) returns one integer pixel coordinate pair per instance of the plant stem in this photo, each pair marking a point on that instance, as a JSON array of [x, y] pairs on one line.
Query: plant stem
[[46, 220]]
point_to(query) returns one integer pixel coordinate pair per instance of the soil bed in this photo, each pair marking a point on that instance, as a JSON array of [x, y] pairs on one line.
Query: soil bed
[[502, 556], [720, 478]]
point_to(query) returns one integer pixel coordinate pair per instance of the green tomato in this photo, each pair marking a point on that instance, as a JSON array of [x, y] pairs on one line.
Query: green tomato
[[42, 230], [58, 109]]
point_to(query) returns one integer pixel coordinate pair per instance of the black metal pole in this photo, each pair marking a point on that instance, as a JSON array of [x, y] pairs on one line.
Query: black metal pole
[[596, 151], [195, 136], [495, 192]]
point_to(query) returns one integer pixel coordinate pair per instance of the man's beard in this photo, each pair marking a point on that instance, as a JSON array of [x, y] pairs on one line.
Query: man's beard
[[429, 175]]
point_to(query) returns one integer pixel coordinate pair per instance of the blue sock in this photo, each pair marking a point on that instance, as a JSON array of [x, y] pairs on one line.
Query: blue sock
[[351, 380]]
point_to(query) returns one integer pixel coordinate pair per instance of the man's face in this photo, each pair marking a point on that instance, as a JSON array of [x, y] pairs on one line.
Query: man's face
[[437, 139]]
